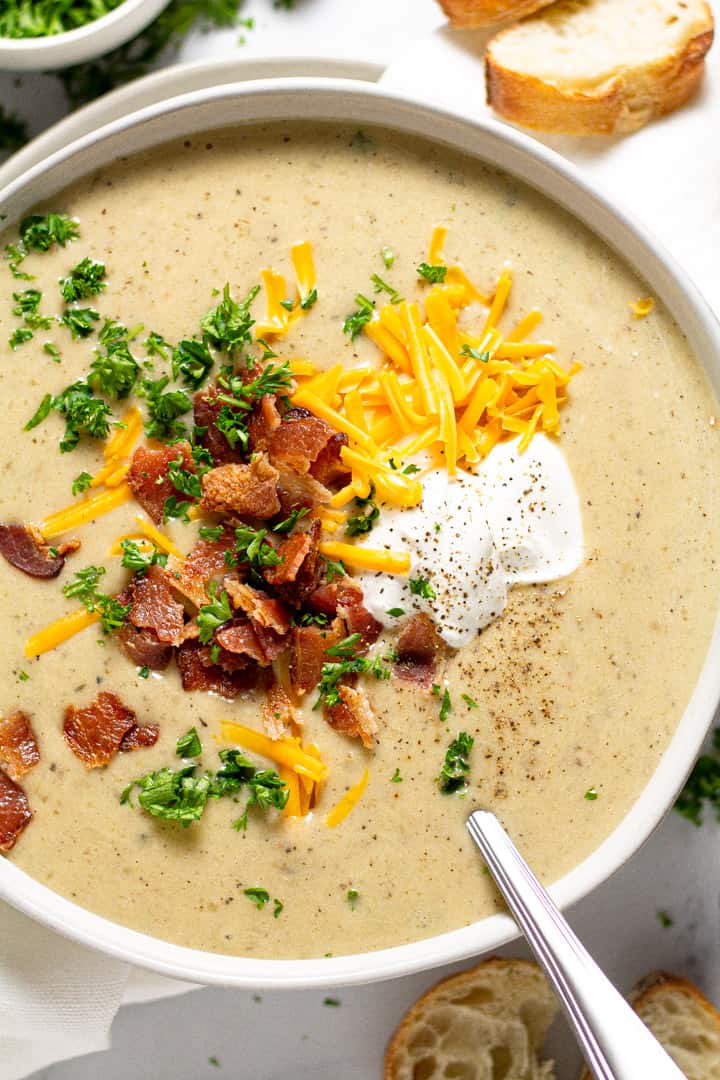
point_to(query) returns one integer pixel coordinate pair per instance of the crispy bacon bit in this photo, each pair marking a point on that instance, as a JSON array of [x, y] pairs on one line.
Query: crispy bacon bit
[[24, 548], [139, 736], [297, 576], [148, 476], [308, 653], [199, 673], [328, 467], [18, 746], [298, 440], [419, 647], [206, 409], [261, 609], [258, 642], [15, 812], [278, 713], [264, 421], [359, 621], [153, 607], [296, 490], [191, 576], [95, 733], [342, 590], [248, 490], [353, 716], [143, 648]]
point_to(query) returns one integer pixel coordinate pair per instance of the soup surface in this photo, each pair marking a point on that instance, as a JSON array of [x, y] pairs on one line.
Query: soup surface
[[571, 695]]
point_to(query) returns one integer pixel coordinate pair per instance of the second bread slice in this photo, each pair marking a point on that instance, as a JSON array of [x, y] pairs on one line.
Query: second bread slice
[[599, 67]]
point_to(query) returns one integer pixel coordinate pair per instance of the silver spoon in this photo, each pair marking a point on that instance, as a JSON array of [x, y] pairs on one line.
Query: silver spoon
[[613, 1038]]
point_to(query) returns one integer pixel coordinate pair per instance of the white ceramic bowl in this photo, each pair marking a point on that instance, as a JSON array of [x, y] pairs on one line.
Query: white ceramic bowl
[[357, 103], [84, 43]]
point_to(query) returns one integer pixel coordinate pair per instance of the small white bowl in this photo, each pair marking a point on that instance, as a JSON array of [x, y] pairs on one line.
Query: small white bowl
[[85, 43]]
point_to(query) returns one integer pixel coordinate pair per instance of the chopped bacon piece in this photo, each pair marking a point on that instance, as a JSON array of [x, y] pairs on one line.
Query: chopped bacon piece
[[15, 812], [191, 576], [297, 576], [258, 642], [24, 548], [308, 653], [300, 489], [206, 409], [419, 647], [341, 590], [298, 440], [148, 476], [153, 607], [139, 736], [199, 673], [359, 621], [248, 490], [263, 423], [95, 733], [143, 648], [329, 467], [261, 609], [18, 745], [352, 716], [278, 713]]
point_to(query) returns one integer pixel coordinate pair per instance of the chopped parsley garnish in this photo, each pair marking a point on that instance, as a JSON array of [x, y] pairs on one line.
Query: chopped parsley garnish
[[81, 483], [189, 745], [191, 363], [214, 1061], [332, 1002], [139, 561], [396, 612], [84, 588], [229, 324], [453, 775], [260, 897], [79, 321], [420, 586], [211, 532], [23, 676], [39, 232], [483, 357], [383, 286], [25, 19], [310, 300], [176, 508], [85, 279], [703, 785], [27, 302], [363, 523], [445, 705], [329, 686], [213, 615], [333, 569], [115, 370], [277, 908], [396, 778], [313, 618], [358, 319], [19, 337], [665, 920], [184, 481], [388, 257], [591, 794], [144, 672], [352, 898], [252, 547], [83, 414], [470, 702], [53, 351], [434, 274], [289, 523], [346, 647], [238, 397], [164, 409]]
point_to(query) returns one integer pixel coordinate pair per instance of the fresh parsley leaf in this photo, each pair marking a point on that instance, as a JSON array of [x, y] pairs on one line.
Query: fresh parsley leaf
[[144, 672], [277, 908], [84, 414], [38, 232], [174, 508], [363, 523], [289, 523], [310, 300], [138, 561], [591, 794], [382, 286], [332, 672], [358, 319], [27, 302], [184, 481], [192, 363], [333, 569], [467, 350], [164, 409], [396, 612], [332, 1002], [420, 586], [79, 321], [410, 470], [453, 775], [445, 705], [260, 897], [434, 274], [81, 483], [346, 647], [44, 409], [252, 547], [396, 778], [211, 532], [19, 337], [84, 588], [115, 370], [85, 279], [189, 745], [23, 676], [388, 257], [213, 615], [53, 351], [156, 345], [352, 898], [470, 702], [229, 324], [313, 618], [25, 19], [665, 920]]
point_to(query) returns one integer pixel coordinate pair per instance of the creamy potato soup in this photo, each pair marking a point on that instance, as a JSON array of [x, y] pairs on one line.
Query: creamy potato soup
[[532, 655]]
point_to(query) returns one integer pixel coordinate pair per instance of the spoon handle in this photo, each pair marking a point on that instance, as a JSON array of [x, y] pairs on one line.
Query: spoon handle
[[615, 1042]]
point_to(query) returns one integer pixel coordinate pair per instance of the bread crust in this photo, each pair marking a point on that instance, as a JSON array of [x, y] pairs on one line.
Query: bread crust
[[618, 105], [465, 980], [473, 13]]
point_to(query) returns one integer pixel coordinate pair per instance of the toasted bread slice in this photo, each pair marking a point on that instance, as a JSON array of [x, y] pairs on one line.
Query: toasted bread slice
[[683, 1020], [473, 13], [485, 1022], [598, 67]]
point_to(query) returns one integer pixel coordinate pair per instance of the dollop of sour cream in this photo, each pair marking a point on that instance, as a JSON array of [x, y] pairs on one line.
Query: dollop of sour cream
[[515, 521]]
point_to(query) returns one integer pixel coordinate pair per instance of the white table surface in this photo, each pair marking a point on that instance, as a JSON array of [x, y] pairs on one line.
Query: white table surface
[[678, 871]]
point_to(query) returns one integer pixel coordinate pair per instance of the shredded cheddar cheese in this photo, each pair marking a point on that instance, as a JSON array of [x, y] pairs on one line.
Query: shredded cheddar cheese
[[641, 308], [349, 800], [86, 510], [283, 751], [362, 558], [159, 539], [58, 632]]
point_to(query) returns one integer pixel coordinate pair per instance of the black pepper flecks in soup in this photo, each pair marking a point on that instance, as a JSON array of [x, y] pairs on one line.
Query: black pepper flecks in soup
[[220, 667]]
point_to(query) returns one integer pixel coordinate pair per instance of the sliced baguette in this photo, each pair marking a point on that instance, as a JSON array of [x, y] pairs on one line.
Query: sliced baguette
[[683, 1020], [598, 67], [486, 1022], [473, 13]]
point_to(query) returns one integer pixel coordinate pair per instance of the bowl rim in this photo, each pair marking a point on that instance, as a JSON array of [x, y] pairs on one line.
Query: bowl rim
[[349, 102]]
